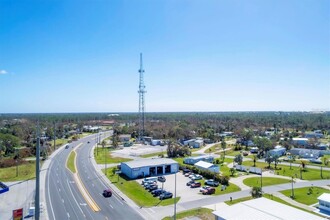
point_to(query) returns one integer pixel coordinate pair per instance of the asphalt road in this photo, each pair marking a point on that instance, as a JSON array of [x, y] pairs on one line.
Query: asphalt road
[[64, 200]]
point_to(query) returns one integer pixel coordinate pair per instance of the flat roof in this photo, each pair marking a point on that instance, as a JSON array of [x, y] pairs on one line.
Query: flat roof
[[204, 164], [200, 157], [262, 208], [324, 197], [149, 162]]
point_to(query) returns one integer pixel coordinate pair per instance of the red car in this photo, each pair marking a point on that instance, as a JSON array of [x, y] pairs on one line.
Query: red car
[[209, 191], [107, 193], [195, 185]]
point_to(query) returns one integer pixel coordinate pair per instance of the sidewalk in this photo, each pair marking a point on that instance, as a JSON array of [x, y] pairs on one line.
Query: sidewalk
[[293, 202]]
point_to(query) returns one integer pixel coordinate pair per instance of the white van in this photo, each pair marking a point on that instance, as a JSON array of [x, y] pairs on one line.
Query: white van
[[149, 179]]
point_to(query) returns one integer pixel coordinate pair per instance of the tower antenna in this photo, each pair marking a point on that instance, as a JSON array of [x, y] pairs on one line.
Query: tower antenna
[[141, 101]]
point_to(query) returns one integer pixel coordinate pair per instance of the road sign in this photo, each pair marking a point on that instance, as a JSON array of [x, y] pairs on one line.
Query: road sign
[[18, 214]]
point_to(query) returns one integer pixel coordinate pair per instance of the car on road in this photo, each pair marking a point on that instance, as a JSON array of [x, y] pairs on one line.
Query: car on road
[[161, 179], [212, 182], [157, 192], [190, 182], [88, 142], [107, 193], [165, 195], [195, 185], [209, 191], [67, 146]]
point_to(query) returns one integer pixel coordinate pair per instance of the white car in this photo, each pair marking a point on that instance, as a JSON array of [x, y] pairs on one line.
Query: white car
[[197, 177]]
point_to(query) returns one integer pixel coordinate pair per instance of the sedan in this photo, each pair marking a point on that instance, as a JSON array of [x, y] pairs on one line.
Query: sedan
[[157, 192], [195, 185], [190, 182], [203, 188], [197, 177], [107, 193], [165, 195], [211, 182]]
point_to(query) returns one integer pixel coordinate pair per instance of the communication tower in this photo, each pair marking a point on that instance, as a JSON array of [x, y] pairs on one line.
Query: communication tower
[[141, 101]]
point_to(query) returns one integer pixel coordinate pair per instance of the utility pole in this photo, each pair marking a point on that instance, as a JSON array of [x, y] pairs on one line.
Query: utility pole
[[37, 195], [141, 92]]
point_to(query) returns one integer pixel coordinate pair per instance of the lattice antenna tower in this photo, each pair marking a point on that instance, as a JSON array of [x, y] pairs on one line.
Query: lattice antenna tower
[[141, 92]]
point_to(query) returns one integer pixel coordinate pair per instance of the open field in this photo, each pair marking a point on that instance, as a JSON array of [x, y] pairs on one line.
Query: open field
[[103, 155], [266, 181], [25, 171]]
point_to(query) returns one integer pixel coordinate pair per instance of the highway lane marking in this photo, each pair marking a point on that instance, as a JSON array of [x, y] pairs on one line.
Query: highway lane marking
[[152, 210], [68, 215], [93, 185], [63, 200], [51, 205], [59, 189], [75, 199], [110, 205]]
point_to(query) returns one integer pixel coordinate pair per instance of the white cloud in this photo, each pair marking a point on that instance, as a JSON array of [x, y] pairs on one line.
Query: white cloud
[[2, 72]]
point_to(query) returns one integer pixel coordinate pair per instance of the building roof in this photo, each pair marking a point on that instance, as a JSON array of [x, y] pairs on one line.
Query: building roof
[[324, 197], [149, 162], [204, 164], [200, 157], [262, 208]]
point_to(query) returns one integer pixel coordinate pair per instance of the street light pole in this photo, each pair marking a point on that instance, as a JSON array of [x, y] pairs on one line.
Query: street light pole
[[292, 191]]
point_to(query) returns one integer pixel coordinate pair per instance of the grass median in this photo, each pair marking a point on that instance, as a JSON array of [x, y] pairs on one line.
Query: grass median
[[70, 162], [266, 181], [137, 193]]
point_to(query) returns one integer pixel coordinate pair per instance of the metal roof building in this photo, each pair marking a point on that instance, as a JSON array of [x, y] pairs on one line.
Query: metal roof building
[[261, 209], [207, 166], [149, 167]]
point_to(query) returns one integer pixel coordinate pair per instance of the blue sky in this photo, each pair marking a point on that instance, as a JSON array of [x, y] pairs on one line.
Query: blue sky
[[83, 56]]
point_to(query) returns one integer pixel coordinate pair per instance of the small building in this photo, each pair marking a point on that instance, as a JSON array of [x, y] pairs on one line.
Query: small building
[[313, 135], [149, 167], [202, 165], [124, 137], [306, 153], [278, 151], [193, 160], [196, 143], [324, 202], [187, 142], [300, 141], [262, 208]]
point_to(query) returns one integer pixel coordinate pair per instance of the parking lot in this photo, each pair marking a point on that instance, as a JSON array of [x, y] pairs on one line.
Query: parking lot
[[138, 149], [185, 192]]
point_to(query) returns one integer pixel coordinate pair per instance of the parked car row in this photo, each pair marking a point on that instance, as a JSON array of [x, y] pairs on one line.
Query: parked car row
[[151, 185]]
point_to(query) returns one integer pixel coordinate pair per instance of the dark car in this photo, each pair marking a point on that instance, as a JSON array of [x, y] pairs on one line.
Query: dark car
[[67, 146], [107, 193], [165, 195], [157, 192], [152, 187], [195, 185], [209, 191], [87, 142], [161, 179], [190, 182], [184, 171]]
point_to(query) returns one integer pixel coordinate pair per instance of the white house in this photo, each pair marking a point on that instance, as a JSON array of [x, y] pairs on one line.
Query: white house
[[193, 160], [324, 202], [202, 165]]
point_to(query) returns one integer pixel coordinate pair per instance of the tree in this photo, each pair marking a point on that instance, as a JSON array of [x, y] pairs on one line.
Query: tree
[[238, 159], [232, 171], [103, 143], [325, 161], [276, 160], [256, 192], [264, 144], [9, 143], [269, 159], [223, 146]]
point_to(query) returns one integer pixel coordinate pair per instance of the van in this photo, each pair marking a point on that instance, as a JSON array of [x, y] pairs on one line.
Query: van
[[149, 179]]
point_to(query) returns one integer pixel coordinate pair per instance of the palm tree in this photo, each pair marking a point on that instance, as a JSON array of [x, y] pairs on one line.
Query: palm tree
[[256, 192]]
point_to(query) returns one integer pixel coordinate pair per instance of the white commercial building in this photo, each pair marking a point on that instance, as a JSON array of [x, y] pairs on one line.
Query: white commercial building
[[324, 202], [202, 165], [149, 167], [262, 209]]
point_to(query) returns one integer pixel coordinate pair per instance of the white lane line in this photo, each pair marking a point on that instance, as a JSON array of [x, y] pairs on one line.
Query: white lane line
[[63, 200], [93, 185], [119, 200], [152, 210], [110, 205], [59, 189], [51, 205], [76, 200], [68, 215]]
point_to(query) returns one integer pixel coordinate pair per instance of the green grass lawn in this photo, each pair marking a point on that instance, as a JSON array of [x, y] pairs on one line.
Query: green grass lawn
[[103, 154], [202, 213], [25, 171], [266, 181], [303, 195], [231, 188], [309, 174], [137, 193], [153, 154], [70, 162]]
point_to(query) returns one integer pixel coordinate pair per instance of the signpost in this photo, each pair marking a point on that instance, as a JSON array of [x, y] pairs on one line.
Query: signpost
[[18, 214]]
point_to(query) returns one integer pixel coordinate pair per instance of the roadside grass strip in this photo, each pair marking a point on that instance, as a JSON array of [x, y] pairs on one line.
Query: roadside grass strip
[[26, 171], [70, 163], [202, 213], [266, 181], [284, 170], [235, 201], [102, 154], [137, 193], [306, 195]]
